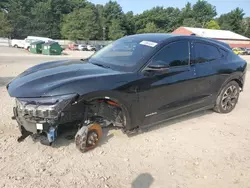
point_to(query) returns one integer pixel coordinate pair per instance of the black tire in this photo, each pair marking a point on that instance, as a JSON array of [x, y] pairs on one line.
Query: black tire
[[15, 46], [228, 98]]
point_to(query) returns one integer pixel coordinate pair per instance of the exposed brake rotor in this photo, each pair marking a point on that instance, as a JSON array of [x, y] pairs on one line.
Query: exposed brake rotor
[[88, 137]]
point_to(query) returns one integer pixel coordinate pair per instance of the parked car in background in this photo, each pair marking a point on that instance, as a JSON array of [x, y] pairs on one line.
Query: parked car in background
[[82, 47], [17, 43], [159, 77], [239, 51], [247, 51], [99, 47], [91, 48], [31, 39]]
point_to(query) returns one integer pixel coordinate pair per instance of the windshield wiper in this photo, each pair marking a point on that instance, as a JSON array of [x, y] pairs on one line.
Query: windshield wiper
[[101, 65]]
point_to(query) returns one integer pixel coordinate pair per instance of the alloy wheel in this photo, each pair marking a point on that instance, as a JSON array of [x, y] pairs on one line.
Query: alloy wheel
[[230, 97]]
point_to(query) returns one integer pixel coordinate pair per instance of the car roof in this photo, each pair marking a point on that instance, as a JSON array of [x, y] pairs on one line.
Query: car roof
[[154, 37], [162, 37]]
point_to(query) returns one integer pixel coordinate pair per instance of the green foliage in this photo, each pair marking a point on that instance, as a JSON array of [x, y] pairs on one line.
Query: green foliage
[[203, 12], [116, 31], [187, 11], [166, 19], [150, 28], [212, 24], [191, 22], [81, 24], [246, 27], [232, 21], [130, 23], [5, 27], [81, 19], [4, 4]]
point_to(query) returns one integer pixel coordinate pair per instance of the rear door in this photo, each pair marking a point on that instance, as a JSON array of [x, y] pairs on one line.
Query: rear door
[[207, 61]]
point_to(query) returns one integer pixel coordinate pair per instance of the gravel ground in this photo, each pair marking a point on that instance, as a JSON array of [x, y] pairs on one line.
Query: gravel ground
[[204, 149]]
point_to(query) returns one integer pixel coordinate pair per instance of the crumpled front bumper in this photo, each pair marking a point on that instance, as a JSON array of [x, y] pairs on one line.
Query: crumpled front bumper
[[31, 126]]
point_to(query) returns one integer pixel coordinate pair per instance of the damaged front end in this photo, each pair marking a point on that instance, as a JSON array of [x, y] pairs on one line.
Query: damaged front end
[[42, 115]]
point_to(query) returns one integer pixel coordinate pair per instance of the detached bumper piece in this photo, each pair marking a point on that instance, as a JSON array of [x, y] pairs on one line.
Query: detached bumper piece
[[28, 128]]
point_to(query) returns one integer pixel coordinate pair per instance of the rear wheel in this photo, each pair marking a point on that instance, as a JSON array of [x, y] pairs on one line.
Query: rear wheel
[[228, 98]]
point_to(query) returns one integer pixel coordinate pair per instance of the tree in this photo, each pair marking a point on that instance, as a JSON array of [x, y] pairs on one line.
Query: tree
[[3, 4], [232, 21], [203, 12], [77, 4], [187, 11], [212, 25], [114, 17], [112, 11], [81, 24], [130, 23], [246, 27], [116, 31], [166, 19], [19, 15], [42, 20], [5, 27], [191, 22], [150, 28], [80, 19]]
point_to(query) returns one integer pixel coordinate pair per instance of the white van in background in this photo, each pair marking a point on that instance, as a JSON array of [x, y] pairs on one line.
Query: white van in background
[[17, 43], [31, 39]]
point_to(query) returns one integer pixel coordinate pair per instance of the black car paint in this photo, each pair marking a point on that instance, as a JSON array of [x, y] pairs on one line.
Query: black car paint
[[146, 97]]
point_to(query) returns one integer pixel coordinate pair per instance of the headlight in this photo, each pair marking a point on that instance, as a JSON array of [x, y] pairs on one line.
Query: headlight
[[44, 107]]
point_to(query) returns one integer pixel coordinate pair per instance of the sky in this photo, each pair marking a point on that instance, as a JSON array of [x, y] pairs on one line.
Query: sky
[[138, 6]]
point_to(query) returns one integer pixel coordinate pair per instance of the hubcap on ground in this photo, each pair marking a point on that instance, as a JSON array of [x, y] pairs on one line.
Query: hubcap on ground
[[230, 97]]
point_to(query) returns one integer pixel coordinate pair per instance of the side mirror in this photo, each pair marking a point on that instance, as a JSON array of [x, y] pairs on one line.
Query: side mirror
[[157, 66]]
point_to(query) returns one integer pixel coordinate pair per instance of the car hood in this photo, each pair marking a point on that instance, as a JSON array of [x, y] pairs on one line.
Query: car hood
[[42, 78]]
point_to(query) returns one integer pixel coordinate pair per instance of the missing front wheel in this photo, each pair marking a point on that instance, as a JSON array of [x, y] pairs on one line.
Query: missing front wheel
[[88, 137]]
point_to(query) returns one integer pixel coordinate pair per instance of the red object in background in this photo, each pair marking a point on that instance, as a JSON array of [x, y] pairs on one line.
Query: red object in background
[[233, 43], [73, 46]]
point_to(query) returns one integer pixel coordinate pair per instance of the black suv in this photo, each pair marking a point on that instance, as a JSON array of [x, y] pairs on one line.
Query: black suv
[[136, 81]]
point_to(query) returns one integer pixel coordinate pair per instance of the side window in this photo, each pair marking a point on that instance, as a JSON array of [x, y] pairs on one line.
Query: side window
[[174, 54], [206, 53], [223, 53]]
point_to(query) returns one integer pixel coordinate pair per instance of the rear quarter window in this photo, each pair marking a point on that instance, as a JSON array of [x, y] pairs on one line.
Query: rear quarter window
[[206, 52], [224, 53]]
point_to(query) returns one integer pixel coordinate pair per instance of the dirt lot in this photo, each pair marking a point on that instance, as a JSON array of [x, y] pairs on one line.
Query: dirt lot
[[205, 149]]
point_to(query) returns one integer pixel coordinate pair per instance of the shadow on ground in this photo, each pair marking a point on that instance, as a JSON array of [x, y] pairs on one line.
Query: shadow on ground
[[68, 137], [5, 80], [173, 121], [144, 180]]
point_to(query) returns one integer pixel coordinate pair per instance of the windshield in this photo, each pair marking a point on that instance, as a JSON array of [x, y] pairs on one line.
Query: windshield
[[123, 54]]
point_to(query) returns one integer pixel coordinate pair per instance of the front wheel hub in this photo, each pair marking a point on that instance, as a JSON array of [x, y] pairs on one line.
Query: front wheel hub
[[88, 137]]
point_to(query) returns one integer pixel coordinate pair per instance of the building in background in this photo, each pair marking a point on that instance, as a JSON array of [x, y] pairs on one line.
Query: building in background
[[233, 39]]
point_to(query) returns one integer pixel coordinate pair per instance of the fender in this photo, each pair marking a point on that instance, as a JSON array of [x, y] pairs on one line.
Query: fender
[[239, 77], [126, 105]]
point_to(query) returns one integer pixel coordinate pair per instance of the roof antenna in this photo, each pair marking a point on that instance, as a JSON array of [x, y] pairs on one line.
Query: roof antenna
[[193, 34]]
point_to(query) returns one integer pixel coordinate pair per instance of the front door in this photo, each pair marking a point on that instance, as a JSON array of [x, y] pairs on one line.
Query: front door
[[169, 92]]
